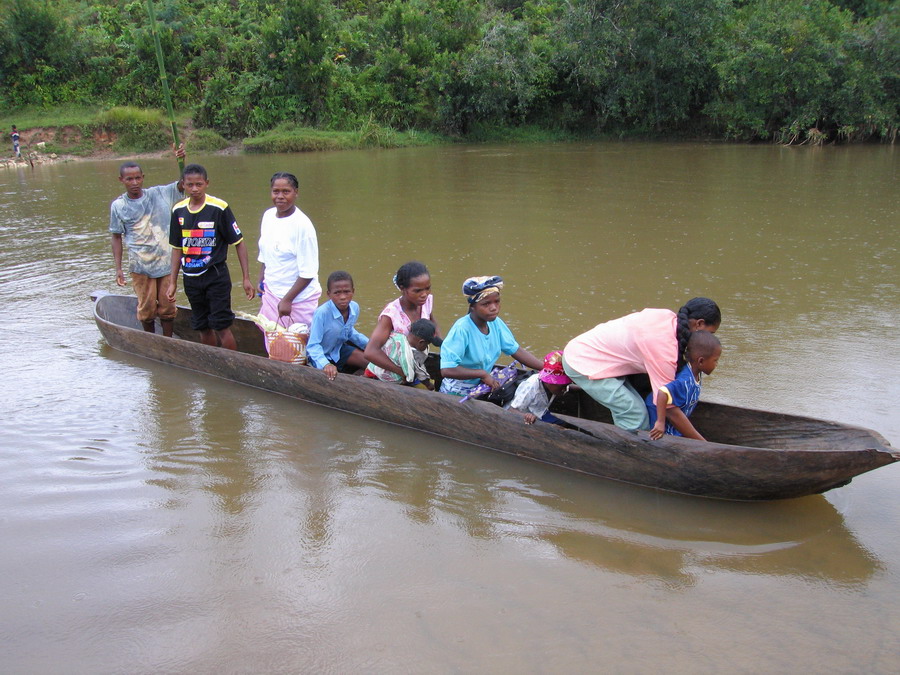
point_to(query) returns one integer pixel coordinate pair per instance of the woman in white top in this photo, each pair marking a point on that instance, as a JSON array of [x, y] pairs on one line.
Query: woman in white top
[[289, 253]]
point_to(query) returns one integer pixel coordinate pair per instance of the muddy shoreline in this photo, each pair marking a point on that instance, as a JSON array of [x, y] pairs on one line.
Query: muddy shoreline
[[34, 142]]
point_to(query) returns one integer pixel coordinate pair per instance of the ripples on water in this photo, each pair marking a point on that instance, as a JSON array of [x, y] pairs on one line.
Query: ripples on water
[[153, 516]]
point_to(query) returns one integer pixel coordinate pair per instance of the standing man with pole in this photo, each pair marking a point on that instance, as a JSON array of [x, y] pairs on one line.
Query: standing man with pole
[[141, 217]]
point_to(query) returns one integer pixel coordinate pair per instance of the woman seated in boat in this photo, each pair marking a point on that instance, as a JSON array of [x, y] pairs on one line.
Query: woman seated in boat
[[415, 302], [652, 341], [476, 340]]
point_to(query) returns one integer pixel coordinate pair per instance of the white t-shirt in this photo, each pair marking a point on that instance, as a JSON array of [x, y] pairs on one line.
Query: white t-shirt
[[289, 249]]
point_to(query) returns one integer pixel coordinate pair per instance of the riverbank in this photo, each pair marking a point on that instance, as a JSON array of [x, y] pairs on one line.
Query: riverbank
[[69, 134], [48, 144], [117, 133], [38, 155]]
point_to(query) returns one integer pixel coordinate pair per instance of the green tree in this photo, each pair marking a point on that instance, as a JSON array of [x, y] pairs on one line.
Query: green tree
[[639, 65], [411, 58], [870, 103], [797, 70], [504, 75], [792, 70], [299, 43], [41, 62]]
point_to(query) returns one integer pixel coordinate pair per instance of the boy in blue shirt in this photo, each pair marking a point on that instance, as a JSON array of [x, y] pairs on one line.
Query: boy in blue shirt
[[334, 343], [676, 401]]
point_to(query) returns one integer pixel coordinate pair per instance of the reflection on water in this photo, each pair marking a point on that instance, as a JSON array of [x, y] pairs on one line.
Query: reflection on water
[[747, 542], [619, 527], [190, 524], [640, 533]]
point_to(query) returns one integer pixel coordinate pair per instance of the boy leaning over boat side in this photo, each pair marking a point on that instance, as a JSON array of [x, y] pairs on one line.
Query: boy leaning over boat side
[[200, 230], [675, 401], [141, 216]]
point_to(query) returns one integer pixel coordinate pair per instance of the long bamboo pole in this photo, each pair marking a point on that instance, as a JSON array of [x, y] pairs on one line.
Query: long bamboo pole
[[163, 77]]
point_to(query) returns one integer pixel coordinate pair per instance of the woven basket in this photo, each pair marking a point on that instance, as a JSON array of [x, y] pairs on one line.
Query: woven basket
[[287, 347]]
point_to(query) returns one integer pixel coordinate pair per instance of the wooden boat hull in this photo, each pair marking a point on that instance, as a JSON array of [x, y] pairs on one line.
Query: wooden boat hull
[[789, 456]]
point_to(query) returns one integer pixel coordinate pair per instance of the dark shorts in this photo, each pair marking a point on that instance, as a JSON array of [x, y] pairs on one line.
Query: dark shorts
[[210, 298], [346, 350]]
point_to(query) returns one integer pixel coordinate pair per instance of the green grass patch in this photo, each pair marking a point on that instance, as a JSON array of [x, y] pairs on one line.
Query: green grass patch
[[59, 116], [206, 140], [288, 138], [136, 129], [291, 138], [373, 135]]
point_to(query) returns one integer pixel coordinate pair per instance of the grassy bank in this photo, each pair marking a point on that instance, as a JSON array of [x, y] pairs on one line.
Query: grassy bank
[[86, 132], [292, 138], [95, 132], [61, 116]]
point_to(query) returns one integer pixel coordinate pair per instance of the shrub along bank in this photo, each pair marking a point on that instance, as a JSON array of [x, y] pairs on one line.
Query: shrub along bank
[[789, 70], [128, 130]]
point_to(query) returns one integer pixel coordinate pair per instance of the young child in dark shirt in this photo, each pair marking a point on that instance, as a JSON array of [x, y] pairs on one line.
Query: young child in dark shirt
[[201, 228], [675, 402], [421, 334]]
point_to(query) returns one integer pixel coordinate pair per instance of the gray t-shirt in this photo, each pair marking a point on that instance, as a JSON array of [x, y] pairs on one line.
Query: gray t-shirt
[[144, 222]]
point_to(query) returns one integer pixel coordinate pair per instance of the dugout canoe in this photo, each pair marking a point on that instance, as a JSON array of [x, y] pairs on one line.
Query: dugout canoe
[[751, 455]]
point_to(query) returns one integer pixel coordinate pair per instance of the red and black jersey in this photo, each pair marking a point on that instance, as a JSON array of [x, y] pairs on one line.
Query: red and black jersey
[[203, 235]]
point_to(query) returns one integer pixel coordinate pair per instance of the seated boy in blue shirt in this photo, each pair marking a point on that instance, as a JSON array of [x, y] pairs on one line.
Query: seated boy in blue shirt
[[334, 344], [676, 401]]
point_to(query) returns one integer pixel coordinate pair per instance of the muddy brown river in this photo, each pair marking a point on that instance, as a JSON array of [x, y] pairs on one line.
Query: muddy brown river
[[154, 520]]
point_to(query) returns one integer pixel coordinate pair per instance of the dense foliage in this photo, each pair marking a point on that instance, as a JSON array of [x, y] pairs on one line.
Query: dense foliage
[[789, 70]]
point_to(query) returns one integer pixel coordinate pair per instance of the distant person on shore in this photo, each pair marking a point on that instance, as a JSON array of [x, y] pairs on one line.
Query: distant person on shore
[[142, 216], [670, 412], [651, 341], [415, 302], [200, 230], [15, 140], [335, 345], [289, 253]]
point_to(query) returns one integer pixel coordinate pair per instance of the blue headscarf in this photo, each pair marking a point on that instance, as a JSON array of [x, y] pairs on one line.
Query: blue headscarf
[[477, 288]]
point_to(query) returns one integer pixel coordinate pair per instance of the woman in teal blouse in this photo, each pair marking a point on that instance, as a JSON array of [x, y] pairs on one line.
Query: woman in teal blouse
[[476, 340]]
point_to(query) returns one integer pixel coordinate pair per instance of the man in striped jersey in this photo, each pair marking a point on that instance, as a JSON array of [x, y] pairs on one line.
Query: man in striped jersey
[[200, 231]]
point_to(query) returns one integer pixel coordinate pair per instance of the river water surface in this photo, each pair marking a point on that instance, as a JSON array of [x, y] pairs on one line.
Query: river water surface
[[155, 520]]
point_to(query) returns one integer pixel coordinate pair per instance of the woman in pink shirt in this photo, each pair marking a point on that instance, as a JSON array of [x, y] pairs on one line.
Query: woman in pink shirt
[[415, 302], [651, 341]]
